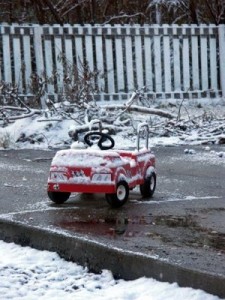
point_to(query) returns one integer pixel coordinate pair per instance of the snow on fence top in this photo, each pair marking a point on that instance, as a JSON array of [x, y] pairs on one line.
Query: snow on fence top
[[170, 61]]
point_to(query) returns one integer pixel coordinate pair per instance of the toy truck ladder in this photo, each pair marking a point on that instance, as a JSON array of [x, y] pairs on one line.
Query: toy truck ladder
[[142, 127]]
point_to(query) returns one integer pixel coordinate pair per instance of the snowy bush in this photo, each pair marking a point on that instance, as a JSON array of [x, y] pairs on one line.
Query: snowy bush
[[5, 139]]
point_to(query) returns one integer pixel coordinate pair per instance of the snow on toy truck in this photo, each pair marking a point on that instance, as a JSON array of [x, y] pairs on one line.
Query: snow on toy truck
[[102, 170]]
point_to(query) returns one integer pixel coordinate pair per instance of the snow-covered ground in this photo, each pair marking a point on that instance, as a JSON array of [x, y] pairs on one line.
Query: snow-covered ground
[[29, 274]]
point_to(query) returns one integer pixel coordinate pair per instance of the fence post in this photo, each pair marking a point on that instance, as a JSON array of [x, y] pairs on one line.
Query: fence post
[[222, 60]]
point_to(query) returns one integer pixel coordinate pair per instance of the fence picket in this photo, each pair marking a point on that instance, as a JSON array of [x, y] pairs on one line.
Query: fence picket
[[89, 47], [148, 61], [59, 57], [157, 61], [7, 74], [186, 61], [166, 61], [138, 59], [68, 40], [69, 57], [39, 60], [222, 55], [27, 60], [129, 61], [195, 60], [109, 62], [213, 64], [119, 61], [79, 48], [99, 59], [49, 60], [17, 62], [176, 61], [204, 60], [69, 48]]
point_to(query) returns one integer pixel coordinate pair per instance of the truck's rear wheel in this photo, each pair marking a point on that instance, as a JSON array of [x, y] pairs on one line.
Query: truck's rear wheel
[[58, 197], [120, 197], [148, 187]]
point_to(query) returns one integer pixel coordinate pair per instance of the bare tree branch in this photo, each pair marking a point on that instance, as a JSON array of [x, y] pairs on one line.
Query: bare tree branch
[[123, 16], [53, 11]]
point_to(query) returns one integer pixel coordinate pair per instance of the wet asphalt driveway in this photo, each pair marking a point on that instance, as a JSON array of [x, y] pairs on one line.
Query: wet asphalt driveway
[[184, 223]]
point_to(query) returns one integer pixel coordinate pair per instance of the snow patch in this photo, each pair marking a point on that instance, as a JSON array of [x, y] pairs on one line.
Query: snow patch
[[31, 274]]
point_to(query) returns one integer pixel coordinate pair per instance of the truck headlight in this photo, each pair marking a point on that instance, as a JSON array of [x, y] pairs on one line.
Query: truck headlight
[[100, 177]]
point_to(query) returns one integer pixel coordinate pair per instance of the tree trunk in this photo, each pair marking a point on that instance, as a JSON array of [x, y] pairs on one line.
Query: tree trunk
[[193, 11], [93, 11]]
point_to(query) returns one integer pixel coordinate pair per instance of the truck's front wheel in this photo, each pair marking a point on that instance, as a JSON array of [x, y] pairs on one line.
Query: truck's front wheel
[[120, 197], [58, 197]]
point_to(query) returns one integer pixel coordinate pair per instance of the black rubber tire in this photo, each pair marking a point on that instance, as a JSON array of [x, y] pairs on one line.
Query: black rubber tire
[[58, 197], [147, 189], [102, 138], [117, 200]]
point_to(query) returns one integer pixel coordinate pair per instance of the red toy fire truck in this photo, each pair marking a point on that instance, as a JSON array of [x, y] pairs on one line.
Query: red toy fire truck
[[103, 170]]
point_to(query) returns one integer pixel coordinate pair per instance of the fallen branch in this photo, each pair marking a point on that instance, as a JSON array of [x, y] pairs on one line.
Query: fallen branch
[[22, 116], [141, 109], [13, 108], [22, 113]]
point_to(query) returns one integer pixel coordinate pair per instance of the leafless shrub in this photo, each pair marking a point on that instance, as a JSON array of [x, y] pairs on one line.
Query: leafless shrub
[[80, 83]]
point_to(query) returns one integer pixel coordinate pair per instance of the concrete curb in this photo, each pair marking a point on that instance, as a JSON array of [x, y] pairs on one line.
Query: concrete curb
[[96, 257]]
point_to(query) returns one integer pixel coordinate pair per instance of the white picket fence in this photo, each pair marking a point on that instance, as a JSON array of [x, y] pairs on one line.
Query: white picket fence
[[169, 61]]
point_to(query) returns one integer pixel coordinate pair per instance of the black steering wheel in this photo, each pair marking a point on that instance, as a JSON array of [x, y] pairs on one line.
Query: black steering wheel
[[96, 137]]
